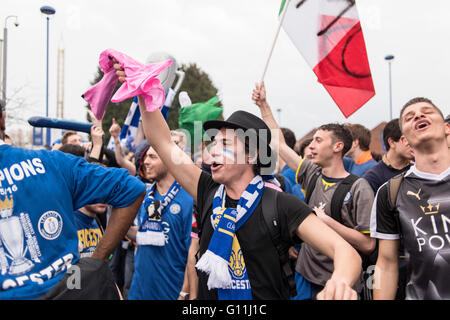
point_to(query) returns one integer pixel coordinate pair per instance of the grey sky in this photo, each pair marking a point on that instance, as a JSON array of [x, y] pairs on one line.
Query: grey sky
[[230, 40]]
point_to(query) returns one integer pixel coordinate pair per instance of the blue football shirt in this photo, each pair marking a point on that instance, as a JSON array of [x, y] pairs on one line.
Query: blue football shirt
[[159, 271], [39, 192]]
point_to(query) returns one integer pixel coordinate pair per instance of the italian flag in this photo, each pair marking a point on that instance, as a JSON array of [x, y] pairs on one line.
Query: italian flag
[[328, 34]]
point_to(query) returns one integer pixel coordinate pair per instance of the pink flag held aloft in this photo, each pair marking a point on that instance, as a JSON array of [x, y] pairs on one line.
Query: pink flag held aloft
[[140, 80], [328, 34]]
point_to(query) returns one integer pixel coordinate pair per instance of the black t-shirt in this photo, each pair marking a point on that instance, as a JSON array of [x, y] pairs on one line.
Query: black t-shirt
[[261, 257], [423, 222], [380, 173]]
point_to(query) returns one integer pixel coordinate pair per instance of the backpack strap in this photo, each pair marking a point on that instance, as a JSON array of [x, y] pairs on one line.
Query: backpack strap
[[393, 186], [270, 214], [205, 214], [311, 185], [339, 196]]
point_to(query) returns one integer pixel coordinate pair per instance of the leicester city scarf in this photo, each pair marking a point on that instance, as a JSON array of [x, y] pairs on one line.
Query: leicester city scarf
[[150, 230], [223, 261]]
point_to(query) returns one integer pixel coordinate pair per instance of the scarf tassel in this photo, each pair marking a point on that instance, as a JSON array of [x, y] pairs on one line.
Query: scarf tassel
[[152, 238], [217, 269]]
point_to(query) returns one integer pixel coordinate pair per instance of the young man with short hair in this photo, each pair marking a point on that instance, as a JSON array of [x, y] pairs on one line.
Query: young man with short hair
[[162, 233], [237, 257], [71, 137], [359, 153], [330, 143], [420, 214]]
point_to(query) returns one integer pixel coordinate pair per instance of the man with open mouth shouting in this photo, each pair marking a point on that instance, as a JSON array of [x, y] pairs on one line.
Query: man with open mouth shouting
[[418, 214], [238, 259]]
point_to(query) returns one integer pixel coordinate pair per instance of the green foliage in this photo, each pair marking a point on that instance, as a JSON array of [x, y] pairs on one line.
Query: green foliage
[[196, 83], [199, 87]]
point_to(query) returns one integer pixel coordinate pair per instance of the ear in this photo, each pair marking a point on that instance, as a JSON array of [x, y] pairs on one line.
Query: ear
[[447, 128], [404, 141], [252, 159], [338, 146], [391, 142]]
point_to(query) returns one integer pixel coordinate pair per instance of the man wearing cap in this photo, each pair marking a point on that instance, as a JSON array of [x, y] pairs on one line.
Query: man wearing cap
[[237, 257]]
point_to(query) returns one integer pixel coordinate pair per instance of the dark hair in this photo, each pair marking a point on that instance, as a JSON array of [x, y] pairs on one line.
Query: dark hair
[[289, 137], [340, 134], [391, 130], [376, 156], [360, 133], [414, 101], [303, 146], [74, 149], [95, 161]]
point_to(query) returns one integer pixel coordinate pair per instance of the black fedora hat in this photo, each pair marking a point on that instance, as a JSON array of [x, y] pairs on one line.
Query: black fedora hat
[[250, 124]]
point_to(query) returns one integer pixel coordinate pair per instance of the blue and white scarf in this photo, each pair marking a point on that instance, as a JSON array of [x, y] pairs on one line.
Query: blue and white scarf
[[150, 230], [223, 261]]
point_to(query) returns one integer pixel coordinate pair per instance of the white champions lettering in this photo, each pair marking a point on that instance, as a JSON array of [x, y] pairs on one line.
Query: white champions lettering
[[19, 171], [61, 264]]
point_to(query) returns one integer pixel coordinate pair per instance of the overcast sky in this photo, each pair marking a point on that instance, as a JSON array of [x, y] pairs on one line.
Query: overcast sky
[[229, 40]]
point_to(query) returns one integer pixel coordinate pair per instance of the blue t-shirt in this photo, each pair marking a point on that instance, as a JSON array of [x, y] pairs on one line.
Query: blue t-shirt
[[357, 169], [89, 233], [292, 186], [39, 192], [159, 271]]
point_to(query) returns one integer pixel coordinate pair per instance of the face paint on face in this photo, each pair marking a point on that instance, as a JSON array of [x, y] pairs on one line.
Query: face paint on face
[[229, 154]]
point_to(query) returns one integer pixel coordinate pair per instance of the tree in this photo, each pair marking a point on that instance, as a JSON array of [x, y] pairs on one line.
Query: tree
[[199, 87], [196, 83]]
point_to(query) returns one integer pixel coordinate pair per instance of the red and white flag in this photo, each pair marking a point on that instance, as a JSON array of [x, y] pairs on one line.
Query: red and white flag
[[328, 34]]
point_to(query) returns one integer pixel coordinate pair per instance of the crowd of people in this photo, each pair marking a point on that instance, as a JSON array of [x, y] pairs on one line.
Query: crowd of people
[[255, 214]]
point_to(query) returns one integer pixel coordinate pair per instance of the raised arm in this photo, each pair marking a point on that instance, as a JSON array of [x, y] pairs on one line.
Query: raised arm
[[114, 130], [157, 133], [288, 155], [97, 142]]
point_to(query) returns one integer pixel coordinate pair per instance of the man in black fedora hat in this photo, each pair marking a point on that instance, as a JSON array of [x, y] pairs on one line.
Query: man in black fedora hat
[[238, 259]]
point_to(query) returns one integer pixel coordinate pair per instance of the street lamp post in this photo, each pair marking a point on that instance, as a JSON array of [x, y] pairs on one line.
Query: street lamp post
[[47, 10], [389, 59], [5, 51], [279, 116]]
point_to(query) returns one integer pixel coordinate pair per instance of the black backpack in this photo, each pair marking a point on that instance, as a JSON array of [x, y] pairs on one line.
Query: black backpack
[[281, 242], [338, 196]]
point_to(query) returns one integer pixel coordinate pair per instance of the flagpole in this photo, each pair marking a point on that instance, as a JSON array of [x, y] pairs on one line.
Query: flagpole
[[275, 38]]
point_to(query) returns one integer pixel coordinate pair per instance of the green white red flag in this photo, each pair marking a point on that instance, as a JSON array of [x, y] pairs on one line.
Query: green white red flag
[[328, 34]]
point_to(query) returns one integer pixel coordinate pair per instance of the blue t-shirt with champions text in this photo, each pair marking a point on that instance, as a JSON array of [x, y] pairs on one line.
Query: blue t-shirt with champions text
[[159, 271], [39, 192]]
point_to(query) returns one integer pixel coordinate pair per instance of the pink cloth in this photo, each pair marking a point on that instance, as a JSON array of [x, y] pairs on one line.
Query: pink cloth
[[273, 186], [140, 80]]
